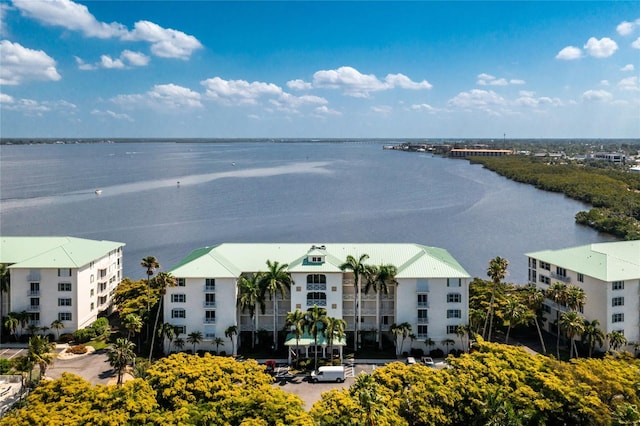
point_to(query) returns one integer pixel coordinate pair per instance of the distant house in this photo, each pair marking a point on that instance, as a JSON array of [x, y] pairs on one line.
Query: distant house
[[60, 278], [431, 294], [609, 274], [467, 152]]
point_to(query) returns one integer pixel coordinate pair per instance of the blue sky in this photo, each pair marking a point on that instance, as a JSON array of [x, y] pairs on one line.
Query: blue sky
[[319, 69]]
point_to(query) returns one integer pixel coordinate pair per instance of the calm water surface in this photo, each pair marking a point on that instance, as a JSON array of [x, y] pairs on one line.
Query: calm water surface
[[316, 192]]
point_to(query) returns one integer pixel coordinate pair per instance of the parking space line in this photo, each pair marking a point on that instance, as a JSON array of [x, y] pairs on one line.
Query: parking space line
[[16, 354]]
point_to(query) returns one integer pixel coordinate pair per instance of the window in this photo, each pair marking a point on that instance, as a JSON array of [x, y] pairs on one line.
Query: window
[[316, 279], [617, 301], [454, 298], [451, 329], [178, 313], [453, 282], [91, 293], [532, 263], [64, 316], [580, 277], [91, 278], [34, 318], [34, 289], [423, 300], [545, 265], [533, 276], [423, 331], [181, 282], [316, 259], [92, 306], [210, 284], [64, 272], [454, 313], [561, 272], [210, 317], [178, 298], [34, 303], [64, 286], [423, 316], [316, 298], [546, 308], [619, 317], [179, 329], [64, 301], [544, 280], [617, 285], [210, 300]]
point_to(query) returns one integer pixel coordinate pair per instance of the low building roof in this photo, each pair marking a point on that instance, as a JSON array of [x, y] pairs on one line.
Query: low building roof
[[52, 252], [231, 260], [614, 261]]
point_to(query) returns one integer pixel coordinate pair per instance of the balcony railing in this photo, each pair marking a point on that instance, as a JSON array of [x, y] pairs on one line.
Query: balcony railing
[[209, 320], [33, 308], [423, 320], [33, 293], [316, 302], [209, 304], [559, 277], [209, 288]]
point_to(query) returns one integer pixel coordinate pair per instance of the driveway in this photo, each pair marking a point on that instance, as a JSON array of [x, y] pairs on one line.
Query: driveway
[[93, 367]]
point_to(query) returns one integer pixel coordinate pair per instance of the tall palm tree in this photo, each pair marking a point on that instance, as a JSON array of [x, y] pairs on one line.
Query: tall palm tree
[[515, 313], [316, 321], [218, 341], [178, 343], [575, 298], [616, 340], [120, 355], [476, 319], [57, 325], [23, 318], [275, 280], [133, 324], [573, 325], [461, 331], [40, 352], [12, 322], [167, 331], [358, 268], [161, 282], [194, 338], [335, 330], [248, 299], [379, 278], [557, 292], [534, 298], [296, 323], [150, 264], [402, 330], [497, 270], [592, 335], [230, 332]]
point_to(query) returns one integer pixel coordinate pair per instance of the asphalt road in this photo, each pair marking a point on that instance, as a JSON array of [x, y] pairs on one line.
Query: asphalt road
[[93, 367]]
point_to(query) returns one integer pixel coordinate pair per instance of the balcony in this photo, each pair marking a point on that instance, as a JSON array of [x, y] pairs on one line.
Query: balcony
[[209, 288], [562, 278], [209, 304], [423, 304], [423, 321], [320, 302], [34, 276], [33, 308], [33, 293], [209, 320]]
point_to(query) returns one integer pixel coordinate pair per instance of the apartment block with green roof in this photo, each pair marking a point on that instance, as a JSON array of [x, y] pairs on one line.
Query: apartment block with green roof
[[431, 293], [60, 278], [609, 274]]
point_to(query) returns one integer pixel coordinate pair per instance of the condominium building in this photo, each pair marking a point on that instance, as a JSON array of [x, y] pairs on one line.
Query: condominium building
[[60, 278], [431, 292], [609, 274]]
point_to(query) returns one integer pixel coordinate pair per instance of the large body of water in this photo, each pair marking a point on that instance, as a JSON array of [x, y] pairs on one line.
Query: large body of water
[[315, 192]]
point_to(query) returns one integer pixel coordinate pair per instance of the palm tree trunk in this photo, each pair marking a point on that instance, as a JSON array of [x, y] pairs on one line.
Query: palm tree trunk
[[544, 348], [506, 339], [378, 315], [275, 329], [355, 317], [558, 336], [155, 326]]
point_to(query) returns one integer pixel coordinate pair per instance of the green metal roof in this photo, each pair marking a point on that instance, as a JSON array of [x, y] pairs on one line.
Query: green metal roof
[[615, 261], [52, 252], [230, 260], [307, 339]]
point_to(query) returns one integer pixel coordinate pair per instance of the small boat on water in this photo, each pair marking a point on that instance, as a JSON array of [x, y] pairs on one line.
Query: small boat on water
[[98, 191]]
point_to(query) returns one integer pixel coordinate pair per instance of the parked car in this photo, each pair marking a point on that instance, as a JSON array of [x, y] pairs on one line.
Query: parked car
[[410, 360], [428, 361], [328, 374]]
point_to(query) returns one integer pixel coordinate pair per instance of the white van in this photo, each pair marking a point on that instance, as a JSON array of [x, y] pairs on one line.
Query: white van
[[328, 374]]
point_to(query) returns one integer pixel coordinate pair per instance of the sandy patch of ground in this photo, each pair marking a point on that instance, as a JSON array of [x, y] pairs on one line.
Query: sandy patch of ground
[[68, 355]]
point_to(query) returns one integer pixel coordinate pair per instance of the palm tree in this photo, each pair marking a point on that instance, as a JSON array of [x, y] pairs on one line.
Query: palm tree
[[120, 355], [230, 332], [575, 297], [32, 329], [557, 292], [23, 318], [5, 286], [133, 324], [429, 342], [369, 400], [218, 342], [162, 281], [616, 340], [275, 280], [150, 264], [358, 268], [534, 298], [335, 330], [379, 278], [573, 325], [296, 323], [193, 338], [40, 353], [592, 335], [402, 330], [461, 330], [167, 331], [497, 270], [515, 314], [57, 325], [448, 342], [12, 322], [476, 319], [249, 298], [178, 343], [316, 320]]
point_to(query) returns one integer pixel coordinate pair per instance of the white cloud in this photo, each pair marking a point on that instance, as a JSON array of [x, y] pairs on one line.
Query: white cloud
[[109, 113], [636, 43], [127, 59], [70, 15], [162, 97], [107, 62], [382, 109], [626, 28], [38, 108], [299, 85], [628, 67], [602, 48], [238, 92], [477, 98], [290, 103], [597, 96], [485, 79], [528, 99], [3, 13], [5, 99], [135, 59], [324, 110], [569, 53], [165, 42], [82, 65], [423, 107], [629, 84], [353, 83], [20, 64], [604, 82]]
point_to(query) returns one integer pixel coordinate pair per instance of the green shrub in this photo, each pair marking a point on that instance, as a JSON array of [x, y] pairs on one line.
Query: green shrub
[[66, 338], [5, 365], [84, 335], [101, 326]]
